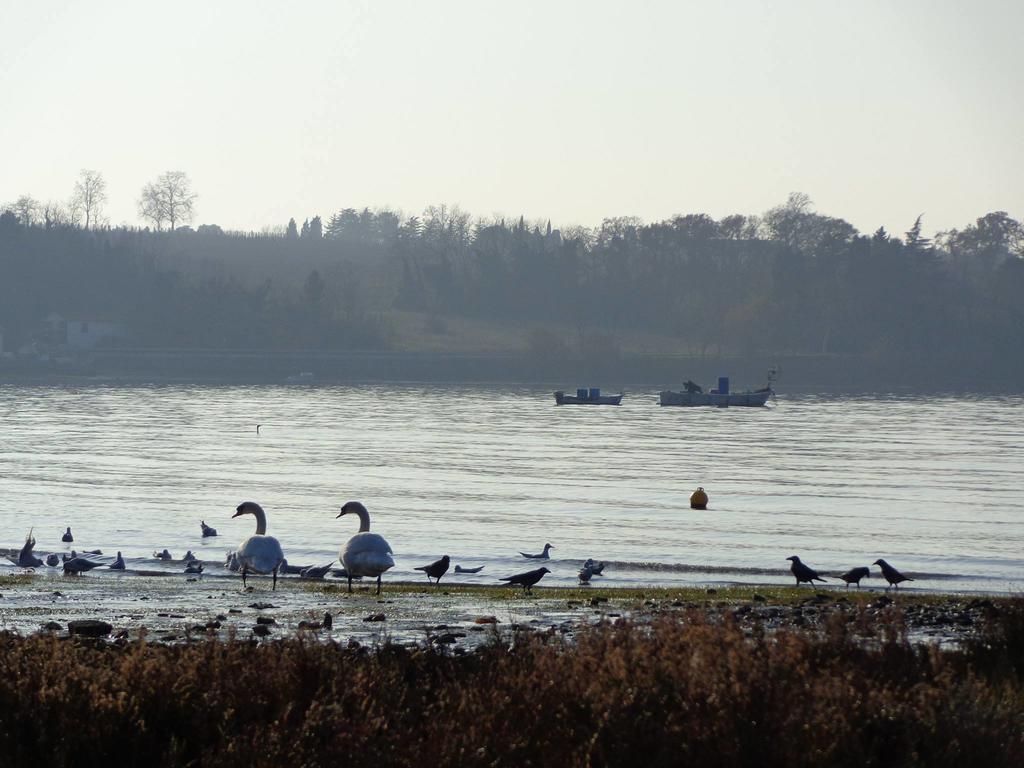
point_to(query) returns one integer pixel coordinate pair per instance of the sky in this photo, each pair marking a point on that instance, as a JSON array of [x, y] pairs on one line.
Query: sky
[[568, 111]]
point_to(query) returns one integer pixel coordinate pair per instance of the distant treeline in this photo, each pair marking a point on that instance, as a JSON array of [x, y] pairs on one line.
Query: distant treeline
[[790, 281]]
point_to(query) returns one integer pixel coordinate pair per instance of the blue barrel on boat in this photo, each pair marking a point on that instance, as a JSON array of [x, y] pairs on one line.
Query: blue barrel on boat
[[581, 393], [595, 392], [723, 385]]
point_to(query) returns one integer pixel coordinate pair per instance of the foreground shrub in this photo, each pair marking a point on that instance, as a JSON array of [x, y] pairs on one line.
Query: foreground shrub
[[678, 692]]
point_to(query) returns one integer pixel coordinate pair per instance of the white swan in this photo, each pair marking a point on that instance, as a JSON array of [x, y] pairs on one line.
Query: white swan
[[365, 554], [259, 553]]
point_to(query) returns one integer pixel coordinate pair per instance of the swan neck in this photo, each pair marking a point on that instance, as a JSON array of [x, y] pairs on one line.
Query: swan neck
[[364, 520], [261, 520]]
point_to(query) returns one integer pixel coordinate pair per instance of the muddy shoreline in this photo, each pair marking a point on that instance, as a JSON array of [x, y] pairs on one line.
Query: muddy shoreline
[[174, 610]]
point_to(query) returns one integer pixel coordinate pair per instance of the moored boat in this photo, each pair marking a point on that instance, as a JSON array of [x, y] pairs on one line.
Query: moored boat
[[585, 396], [693, 395]]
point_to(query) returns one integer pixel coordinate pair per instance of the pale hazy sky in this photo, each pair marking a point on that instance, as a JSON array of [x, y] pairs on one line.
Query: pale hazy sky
[[568, 110]]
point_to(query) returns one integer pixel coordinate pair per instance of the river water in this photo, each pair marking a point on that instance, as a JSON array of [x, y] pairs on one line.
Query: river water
[[933, 484]]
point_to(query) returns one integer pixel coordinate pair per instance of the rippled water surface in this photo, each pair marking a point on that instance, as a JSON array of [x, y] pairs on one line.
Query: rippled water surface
[[933, 484]]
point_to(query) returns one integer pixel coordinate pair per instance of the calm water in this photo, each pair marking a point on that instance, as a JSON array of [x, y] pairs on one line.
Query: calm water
[[934, 485]]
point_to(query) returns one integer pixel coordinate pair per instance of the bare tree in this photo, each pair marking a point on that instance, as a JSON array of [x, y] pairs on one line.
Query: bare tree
[[27, 209], [169, 200], [90, 196], [57, 215], [151, 206]]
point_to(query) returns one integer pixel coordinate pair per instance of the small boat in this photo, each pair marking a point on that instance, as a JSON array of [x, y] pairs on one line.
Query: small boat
[[585, 396], [693, 394]]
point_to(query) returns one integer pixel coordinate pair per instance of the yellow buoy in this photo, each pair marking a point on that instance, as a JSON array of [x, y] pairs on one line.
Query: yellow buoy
[[699, 499]]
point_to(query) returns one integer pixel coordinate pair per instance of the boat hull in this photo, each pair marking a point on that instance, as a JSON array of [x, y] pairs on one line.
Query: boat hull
[[563, 399], [732, 399]]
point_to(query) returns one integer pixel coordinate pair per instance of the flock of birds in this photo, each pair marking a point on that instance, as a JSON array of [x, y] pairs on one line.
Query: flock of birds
[[804, 573], [368, 555], [365, 554]]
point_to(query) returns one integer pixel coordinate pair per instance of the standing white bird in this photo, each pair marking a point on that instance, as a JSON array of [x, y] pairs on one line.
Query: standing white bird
[[259, 553], [365, 554]]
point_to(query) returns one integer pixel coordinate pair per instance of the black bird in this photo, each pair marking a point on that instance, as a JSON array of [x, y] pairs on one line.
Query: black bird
[[526, 580], [67, 537], [207, 530], [803, 572], [891, 575], [436, 569], [79, 565], [854, 575], [585, 573], [118, 564]]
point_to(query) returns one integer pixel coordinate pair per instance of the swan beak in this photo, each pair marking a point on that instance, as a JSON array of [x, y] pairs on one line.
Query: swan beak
[[340, 514], [239, 513]]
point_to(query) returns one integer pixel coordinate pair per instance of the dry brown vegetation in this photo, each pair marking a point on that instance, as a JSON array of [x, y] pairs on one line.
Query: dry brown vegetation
[[683, 690]]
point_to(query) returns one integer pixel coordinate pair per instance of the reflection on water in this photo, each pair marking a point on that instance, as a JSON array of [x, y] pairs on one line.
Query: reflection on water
[[931, 484]]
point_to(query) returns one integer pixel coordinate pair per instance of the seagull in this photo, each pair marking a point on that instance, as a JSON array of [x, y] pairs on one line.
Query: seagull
[[118, 564], [26, 558], [193, 566], [891, 575], [595, 567], [79, 565], [460, 569], [231, 561], [53, 560], [316, 571], [365, 554], [802, 572], [542, 556], [585, 573], [189, 557], [165, 555], [854, 575], [526, 580], [67, 537], [207, 530], [436, 569], [259, 553]]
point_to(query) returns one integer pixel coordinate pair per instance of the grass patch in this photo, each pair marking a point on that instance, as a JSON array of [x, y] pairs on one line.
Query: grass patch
[[15, 580], [773, 595]]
